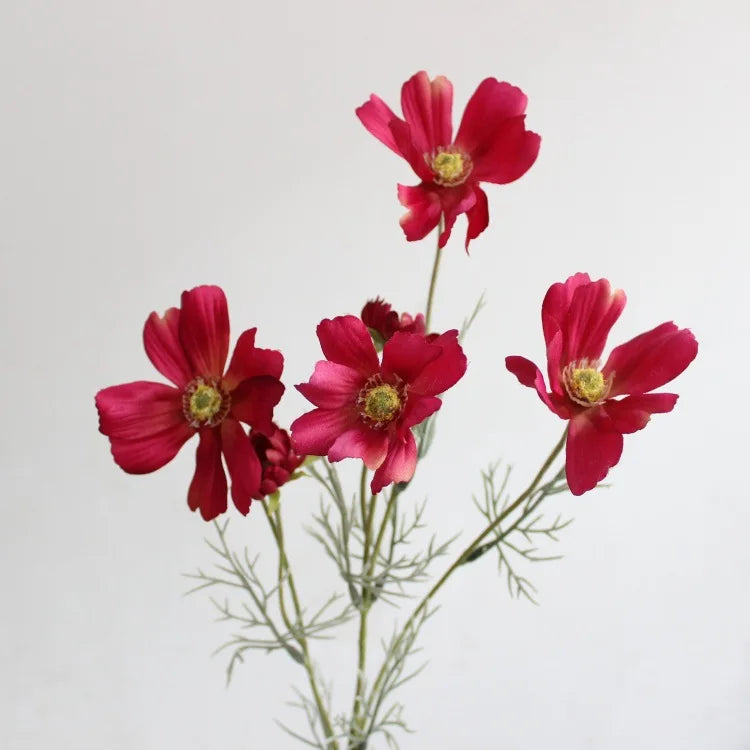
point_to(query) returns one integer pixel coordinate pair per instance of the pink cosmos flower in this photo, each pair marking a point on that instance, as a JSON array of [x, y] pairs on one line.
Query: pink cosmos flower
[[366, 408], [384, 322], [601, 403], [147, 423], [278, 459], [492, 145]]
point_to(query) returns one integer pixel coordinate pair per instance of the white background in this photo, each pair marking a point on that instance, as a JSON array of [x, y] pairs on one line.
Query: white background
[[148, 147]]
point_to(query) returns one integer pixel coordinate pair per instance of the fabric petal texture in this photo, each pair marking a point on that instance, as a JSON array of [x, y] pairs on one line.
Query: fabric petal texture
[[345, 340], [204, 330], [423, 210], [399, 464], [593, 447], [208, 490], [161, 340], [242, 462]]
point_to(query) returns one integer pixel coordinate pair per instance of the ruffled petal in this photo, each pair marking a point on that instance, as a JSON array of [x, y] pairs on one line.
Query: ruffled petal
[[407, 354], [248, 361], [376, 116], [557, 303], [204, 330], [399, 464], [242, 462], [650, 360], [208, 490], [332, 385], [593, 448], [530, 375], [423, 210], [492, 103], [427, 109], [360, 442], [314, 433], [478, 216], [455, 201], [253, 401], [417, 409], [509, 155], [161, 340], [633, 413], [346, 341], [402, 136], [444, 372]]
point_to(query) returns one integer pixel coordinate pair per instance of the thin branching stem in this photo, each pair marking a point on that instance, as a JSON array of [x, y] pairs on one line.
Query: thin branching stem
[[433, 277]]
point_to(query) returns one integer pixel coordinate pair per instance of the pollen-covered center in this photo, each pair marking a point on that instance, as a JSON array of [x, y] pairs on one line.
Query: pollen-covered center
[[450, 165], [204, 403], [382, 403], [585, 383]]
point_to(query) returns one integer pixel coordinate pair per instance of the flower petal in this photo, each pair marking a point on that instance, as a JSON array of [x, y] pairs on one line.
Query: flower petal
[[161, 340], [455, 201], [376, 116], [530, 375], [346, 341], [332, 385], [427, 109], [478, 216], [242, 462], [423, 210], [417, 409], [446, 370], [254, 399], [509, 155], [557, 303], [360, 442], [399, 464], [491, 104], [633, 413], [593, 448], [204, 330], [650, 360], [314, 433], [208, 490], [248, 361], [402, 136], [407, 354]]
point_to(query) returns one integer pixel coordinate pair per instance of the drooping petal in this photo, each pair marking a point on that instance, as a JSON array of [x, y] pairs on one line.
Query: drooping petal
[[332, 385], [444, 372], [593, 448], [314, 433], [478, 216], [399, 464], [510, 154], [633, 413], [253, 401], [407, 354], [402, 136], [427, 110], [650, 360], [491, 104], [204, 330], [346, 341], [530, 375], [423, 210], [362, 442], [248, 361], [594, 309], [208, 490], [417, 409], [161, 339], [455, 201], [242, 462], [376, 116]]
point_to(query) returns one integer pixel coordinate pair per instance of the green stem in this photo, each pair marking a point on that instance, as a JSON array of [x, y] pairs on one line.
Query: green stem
[[433, 278], [463, 557]]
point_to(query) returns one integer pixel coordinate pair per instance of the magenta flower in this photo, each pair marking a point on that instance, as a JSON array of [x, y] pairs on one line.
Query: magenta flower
[[147, 423], [384, 322], [601, 403], [492, 145], [366, 409]]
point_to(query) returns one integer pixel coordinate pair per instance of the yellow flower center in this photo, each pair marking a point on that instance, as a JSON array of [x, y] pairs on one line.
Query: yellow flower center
[[585, 383], [205, 403], [382, 403], [449, 165]]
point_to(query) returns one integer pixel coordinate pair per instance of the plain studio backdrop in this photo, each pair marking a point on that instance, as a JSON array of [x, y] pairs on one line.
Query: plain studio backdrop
[[149, 147]]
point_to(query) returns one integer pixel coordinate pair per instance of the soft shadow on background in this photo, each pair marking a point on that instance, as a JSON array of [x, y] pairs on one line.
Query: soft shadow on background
[[149, 147]]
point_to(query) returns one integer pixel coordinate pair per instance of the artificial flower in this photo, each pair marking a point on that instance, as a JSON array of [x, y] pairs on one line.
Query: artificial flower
[[601, 404], [366, 408], [384, 322], [492, 145], [147, 423], [278, 459]]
